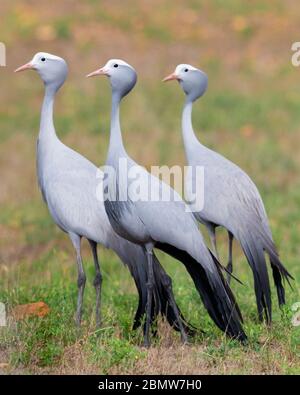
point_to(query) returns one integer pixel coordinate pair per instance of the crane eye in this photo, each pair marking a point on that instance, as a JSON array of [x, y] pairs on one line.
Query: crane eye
[[116, 65], [43, 59], [186, 70]]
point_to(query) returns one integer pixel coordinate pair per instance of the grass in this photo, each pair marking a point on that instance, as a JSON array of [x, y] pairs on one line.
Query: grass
[[53, 344], [250, 114]]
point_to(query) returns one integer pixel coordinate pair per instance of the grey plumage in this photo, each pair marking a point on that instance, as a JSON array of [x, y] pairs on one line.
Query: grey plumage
[[165, 224], [231, 199], [69, 183]]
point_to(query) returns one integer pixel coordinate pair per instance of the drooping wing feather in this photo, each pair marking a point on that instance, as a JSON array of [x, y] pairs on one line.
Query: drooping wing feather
[[233, 201], [134, 257], [170, 226], [72, 187]]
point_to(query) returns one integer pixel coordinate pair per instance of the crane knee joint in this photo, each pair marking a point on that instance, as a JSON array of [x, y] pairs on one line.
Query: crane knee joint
[[98, 280], [81, 280]]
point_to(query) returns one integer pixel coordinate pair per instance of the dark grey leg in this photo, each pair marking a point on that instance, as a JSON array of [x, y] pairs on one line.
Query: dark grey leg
[[168, 285], [213, 240], [150, 283], [81, 280], [229, 265], [97, 283]]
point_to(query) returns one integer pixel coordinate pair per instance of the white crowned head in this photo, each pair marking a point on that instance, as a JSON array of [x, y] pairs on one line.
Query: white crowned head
[[122, 76], [192, 80], [52, 69]]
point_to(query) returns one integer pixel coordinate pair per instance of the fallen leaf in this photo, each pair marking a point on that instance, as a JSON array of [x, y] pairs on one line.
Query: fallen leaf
[[37, 309]]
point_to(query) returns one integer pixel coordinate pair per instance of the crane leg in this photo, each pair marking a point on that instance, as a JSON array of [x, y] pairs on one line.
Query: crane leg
[[150, 283], [213, 240], [168, 285], [229, 264], [81, 280], [97, 282]]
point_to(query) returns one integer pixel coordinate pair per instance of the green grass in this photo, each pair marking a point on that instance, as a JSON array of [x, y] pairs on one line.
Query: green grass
[[250, 113], [41, 343]]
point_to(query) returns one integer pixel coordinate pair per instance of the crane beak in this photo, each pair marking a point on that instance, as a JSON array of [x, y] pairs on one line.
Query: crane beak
[[171, 77], [26, 66], [102, 71]]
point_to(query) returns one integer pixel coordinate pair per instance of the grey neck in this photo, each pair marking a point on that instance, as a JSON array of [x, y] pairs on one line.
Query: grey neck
[[189, 138], [116, 141], [47, 130]]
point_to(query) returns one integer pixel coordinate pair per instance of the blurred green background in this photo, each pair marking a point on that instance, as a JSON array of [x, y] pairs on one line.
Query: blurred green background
[[250, 113]]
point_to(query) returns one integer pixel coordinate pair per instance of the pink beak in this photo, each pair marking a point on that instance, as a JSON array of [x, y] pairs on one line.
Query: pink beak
[[26, 66], [98, 72], [171, 77]]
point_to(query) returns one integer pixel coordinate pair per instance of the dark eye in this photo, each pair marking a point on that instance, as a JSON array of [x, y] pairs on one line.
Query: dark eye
[[43, 59], [116, 65], [186, 70]]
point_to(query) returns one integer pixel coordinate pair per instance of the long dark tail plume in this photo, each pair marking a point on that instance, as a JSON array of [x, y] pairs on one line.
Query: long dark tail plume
[[279, 274], [140, 279], [214, 292], [163, 285], [223, 268], [279, 271], [278, 283], [254, 252], [255, 243], [139, 275], [160, 302], [225, 284]]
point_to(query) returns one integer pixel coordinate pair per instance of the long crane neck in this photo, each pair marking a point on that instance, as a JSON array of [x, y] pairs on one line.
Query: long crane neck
[[47, 130], [189, 138], [116, 141], [47, 141]]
